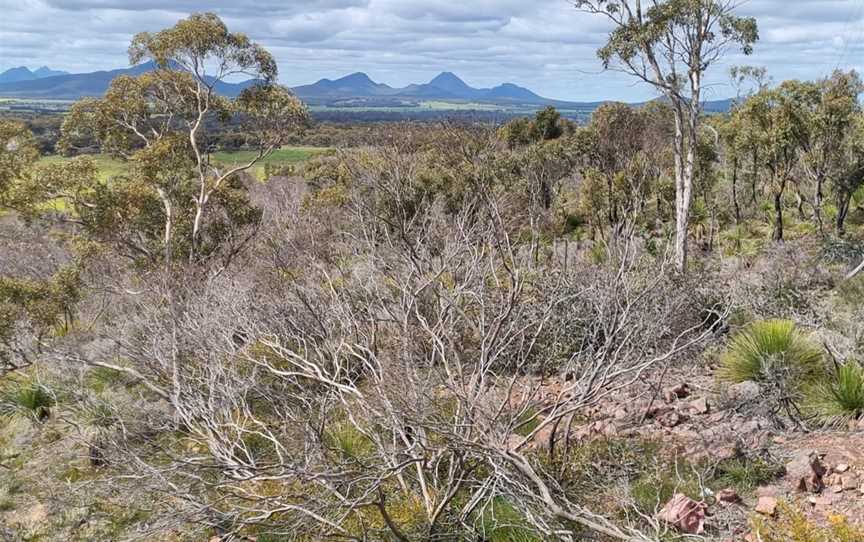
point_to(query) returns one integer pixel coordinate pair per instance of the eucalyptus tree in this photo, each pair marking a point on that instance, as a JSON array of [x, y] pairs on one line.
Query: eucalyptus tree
[[177, 199], [830, 117], [18, 153], [776, 122], [671, 45]]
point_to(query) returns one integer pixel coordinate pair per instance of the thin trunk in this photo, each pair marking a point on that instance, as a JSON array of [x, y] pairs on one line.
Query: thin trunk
[[755, 175], [681, 195], [817, 203], [735, 191], [778, 216], [844, 200]]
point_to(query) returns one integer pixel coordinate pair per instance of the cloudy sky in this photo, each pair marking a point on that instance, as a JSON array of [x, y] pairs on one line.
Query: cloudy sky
[[545, 45]]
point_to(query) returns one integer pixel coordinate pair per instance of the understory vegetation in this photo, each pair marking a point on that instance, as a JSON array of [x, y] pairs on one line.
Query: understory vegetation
[[401, 341]]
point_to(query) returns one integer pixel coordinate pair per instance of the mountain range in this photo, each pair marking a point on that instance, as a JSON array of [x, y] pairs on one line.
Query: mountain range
[[348, 90], [355, 90], [446, 86], [22, 73]]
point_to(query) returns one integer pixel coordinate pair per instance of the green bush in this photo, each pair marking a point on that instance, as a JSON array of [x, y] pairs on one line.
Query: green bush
[[27, 398], [836, 400], [745, 474], [769, 350]]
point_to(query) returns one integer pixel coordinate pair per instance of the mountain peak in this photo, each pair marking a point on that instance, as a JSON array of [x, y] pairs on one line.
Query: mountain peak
[[357, 77], [14, 75], [448, 81]]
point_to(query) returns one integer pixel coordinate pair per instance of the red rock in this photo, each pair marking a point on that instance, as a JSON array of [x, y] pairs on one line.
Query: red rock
[[841, 468], [728, 496], [676, 392], [805, 473], [767, 506], [684, 514]]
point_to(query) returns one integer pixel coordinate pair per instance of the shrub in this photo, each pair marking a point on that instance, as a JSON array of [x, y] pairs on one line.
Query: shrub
[[746, 474], [768, 350], [793, 526], [836, 400]]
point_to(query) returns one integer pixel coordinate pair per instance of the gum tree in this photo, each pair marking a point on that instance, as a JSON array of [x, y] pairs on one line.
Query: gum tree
[[160, 122], [671, 45]]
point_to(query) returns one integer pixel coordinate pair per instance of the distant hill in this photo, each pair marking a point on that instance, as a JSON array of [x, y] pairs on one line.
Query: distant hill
[[22, 73], [356, 85], [80, 85]]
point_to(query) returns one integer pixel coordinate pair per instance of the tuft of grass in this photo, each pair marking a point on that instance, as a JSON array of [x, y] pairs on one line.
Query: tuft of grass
[[770, 349], [348, 441], [838, 399], [527, 422], [657, 486], [746, 474], [500, 521], [27, 398]]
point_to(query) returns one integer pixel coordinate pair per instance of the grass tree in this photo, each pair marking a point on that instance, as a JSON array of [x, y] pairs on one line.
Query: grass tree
[[671, 45]]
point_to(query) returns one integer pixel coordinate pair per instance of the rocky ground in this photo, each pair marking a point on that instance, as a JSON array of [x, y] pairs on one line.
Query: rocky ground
[[819, 473]]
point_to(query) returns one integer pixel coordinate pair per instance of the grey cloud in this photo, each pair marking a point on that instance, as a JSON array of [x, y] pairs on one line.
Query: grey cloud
[[544, 44]]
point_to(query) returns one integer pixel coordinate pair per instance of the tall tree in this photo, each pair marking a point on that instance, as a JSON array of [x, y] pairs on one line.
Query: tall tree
[[160, 121], [830, 115], [671, 45]]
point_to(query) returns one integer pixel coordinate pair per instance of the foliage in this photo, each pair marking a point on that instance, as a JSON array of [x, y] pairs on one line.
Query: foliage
[[794, 526], [26, 397], [18, 152], [838, 398], [745, 474], [768, 350]]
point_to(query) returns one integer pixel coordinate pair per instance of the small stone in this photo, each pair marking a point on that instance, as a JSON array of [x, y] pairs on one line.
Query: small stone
[[745, 391], [841, 468], [767, 506], [699, 406], [849, 482], [620, 413], [671, 419]]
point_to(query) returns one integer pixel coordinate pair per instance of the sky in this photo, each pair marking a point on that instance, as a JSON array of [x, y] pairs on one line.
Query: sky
[[545, 45]]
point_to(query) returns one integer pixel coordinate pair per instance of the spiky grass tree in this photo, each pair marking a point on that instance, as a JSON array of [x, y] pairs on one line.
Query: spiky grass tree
[[837, 400], [768, 350], [27, 398]]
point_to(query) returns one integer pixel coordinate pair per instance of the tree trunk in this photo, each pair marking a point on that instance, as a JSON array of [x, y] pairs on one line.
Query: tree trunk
[[683, 181], [778, 216], [817, 204], [735, 191], [844, 200]]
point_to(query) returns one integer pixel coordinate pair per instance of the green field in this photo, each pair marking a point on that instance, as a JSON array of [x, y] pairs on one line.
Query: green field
[[111, 167], [283, 156]]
